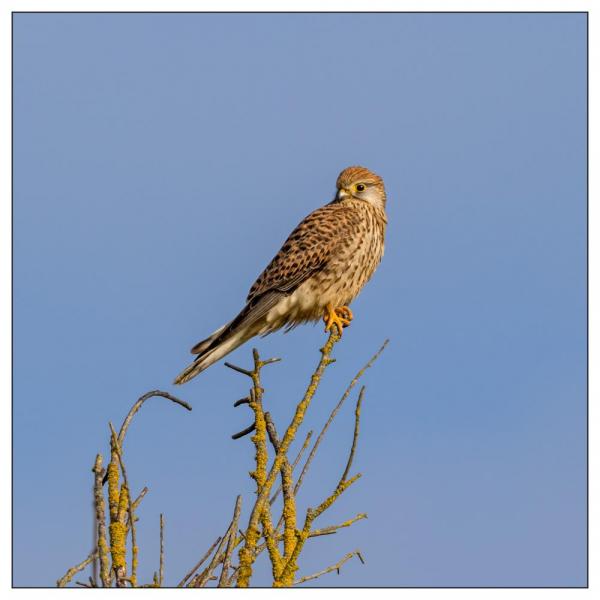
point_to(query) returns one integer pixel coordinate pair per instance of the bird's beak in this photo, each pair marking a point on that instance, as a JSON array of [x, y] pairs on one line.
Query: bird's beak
[[341, 194]]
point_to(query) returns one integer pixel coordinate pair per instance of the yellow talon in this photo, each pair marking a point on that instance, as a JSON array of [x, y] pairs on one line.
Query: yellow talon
[[340, 317]]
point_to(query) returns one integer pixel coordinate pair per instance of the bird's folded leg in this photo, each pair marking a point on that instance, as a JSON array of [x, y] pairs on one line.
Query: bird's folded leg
[[340, 317]]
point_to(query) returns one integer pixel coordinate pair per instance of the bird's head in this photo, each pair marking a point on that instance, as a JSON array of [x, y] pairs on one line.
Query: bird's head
[[361, 184]]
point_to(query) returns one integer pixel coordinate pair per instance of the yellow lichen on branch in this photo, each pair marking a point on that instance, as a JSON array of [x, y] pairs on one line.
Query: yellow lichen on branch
[[247, 553], [284, 541]]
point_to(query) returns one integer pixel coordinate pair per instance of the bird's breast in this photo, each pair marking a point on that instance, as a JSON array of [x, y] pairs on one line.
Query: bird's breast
[[348, 269]]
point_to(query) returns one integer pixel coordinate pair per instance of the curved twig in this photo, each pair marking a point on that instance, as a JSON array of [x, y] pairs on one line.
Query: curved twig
[[355, 438], [138, 405]]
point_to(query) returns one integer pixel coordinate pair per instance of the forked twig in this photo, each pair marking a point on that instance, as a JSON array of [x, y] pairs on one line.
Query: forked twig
[[294, 464], [66, 578], [224, 578], [334, 413], [199, 563], [205, 576]]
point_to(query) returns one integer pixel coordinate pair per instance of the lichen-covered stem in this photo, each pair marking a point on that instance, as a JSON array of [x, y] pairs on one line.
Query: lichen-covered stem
[[246, 554], [260, 474], [288, 516], [289, 510], [118, 533], [128, 510], [116, 529], [287, 575]]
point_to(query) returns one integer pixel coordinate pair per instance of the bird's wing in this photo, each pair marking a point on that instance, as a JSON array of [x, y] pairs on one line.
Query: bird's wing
[[307, 250]]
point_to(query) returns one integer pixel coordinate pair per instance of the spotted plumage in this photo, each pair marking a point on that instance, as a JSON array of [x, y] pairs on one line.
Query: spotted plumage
[[320, 269]]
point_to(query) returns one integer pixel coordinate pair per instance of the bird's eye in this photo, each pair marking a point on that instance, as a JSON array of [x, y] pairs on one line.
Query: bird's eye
[[360, 187]]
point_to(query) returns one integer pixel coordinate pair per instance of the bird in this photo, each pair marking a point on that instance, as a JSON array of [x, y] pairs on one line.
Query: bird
[[321, 267]]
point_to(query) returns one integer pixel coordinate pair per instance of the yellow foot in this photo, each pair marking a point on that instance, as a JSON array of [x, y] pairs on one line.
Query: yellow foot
[[340, 317]]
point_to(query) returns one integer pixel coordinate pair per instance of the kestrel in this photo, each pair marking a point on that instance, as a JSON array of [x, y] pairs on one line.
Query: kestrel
[[320, 269]]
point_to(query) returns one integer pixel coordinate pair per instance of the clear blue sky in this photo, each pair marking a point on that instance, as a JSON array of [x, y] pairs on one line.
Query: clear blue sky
[[159, 163]]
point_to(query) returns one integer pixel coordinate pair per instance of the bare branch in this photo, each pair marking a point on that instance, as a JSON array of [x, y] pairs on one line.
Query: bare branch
[[161, 563], [137, 501], [294, 465], [138, 405], [199, 563], [223, 579], [66, 578], [100, 507], [333, 528], [240, 434], [355, 437], [204, 577], [334, 413], [335, 567], [238, 369]]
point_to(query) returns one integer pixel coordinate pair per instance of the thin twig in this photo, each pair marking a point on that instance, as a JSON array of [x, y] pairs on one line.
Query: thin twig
[[334, 413], [161, 564], [333, 528], [238, 369], [335, 567], [204, 577], [199, 563], [140, 497], [271, 431], [100, 507], [223, 579], [355, 437], [138, 405], [240, 434], [231, 581], [62, 582]]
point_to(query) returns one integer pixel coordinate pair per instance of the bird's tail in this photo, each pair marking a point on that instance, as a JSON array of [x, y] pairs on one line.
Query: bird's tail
[[227, 338], [212, 349]]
